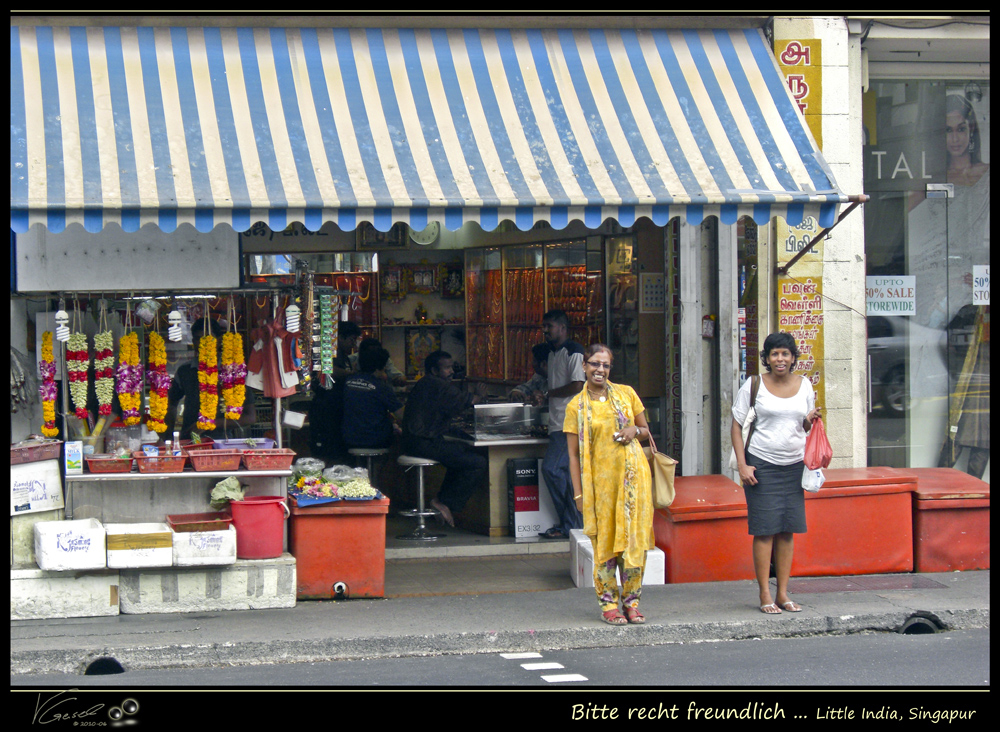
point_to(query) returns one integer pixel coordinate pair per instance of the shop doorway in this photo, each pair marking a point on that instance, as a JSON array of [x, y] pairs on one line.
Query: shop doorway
[[927, 231]]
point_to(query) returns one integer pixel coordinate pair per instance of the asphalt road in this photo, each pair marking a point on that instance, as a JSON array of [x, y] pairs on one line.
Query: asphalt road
[[952, 659]]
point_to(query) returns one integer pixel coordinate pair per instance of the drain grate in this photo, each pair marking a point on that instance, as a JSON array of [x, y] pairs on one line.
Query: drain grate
[[862, 584]]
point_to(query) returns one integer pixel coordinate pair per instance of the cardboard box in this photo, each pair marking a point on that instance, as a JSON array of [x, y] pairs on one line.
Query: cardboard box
[[139, 545], [204, 548], [529, 502], [70, 545]]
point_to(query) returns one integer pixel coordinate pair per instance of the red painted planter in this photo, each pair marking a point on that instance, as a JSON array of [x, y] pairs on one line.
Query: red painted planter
[[703, 534], [860, 522], [951, 521]]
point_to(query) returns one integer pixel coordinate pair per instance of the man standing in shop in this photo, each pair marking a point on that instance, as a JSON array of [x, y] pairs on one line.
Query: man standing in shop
[[566, 379]]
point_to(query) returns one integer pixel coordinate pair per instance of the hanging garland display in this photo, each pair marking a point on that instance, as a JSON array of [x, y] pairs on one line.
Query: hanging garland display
[[129, 378], [47, 389], [159, 383], [78, 363], [233, 375], [104, 372], [208, 382]]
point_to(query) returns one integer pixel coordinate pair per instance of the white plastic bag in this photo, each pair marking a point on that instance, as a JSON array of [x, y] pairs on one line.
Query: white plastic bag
[[812, 479]]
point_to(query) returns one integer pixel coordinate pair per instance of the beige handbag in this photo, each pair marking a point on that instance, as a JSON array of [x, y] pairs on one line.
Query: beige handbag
[[662, 468]]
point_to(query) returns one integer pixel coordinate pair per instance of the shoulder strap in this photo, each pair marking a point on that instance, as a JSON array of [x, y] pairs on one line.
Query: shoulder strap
[[754, 383]]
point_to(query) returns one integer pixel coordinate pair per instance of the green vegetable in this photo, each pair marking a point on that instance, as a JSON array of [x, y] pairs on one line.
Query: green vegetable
[[225, 491]]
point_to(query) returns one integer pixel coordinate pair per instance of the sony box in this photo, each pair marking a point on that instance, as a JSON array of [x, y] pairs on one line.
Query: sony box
[[528, 500]]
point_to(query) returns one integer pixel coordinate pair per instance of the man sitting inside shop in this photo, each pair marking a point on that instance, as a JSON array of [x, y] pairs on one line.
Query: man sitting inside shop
[[430, 408], [369, 402]]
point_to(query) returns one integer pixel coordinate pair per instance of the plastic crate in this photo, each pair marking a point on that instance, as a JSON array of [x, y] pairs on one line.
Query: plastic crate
[[213, 521], [161, 463], [108, 464], [262, 443], [35, 453], [276, 459], [206, 444], [218, 460]]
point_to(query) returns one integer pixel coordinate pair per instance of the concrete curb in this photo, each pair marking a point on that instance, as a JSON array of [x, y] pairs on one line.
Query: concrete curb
[[194, 655]]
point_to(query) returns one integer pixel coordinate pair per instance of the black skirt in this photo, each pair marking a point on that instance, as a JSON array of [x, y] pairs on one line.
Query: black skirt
[[777, 503]]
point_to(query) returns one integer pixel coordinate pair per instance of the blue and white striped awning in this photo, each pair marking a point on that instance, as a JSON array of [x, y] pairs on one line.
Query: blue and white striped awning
[[210, 126]]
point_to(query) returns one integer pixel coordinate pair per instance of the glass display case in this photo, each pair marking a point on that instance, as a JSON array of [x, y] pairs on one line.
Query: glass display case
[[508, 291], [623, 313], [499, 422], [484, 314]]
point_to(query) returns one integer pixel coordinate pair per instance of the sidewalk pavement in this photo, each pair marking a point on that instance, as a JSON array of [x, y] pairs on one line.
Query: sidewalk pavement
[[492, 623]]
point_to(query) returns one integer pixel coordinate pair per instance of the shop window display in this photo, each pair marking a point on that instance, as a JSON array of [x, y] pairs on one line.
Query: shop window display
[[927, 170]]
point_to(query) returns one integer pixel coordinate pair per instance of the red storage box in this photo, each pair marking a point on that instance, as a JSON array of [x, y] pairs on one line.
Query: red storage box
[[703, 534], [860, 522], [339, 542], [951, 521]]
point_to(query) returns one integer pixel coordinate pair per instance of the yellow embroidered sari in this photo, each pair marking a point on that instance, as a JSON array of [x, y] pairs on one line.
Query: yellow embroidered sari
[[615, 478]]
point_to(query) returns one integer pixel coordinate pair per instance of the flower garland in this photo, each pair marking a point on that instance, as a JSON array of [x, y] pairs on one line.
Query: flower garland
[[233, 375], [159, 383], [104, 359], [47, 389], [129, 378], [208, 382], [78, 363]]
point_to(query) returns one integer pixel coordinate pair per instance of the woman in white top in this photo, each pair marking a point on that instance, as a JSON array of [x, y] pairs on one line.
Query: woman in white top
[[771, 466]]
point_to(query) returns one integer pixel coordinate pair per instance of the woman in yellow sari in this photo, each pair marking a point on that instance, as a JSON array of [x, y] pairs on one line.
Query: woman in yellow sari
[[612, 483]]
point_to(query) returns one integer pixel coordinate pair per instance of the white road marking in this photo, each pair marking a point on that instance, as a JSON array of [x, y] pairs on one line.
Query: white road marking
[[514, 656], [541, 666], [558, 678]]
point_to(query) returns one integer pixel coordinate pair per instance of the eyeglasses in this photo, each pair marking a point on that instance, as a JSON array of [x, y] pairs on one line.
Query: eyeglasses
[[599, 365]]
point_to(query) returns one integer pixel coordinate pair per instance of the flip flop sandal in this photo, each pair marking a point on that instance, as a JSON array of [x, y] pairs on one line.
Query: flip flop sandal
[[766, 609], [633, 615], [614, 617], [553, 533], [795, 607]]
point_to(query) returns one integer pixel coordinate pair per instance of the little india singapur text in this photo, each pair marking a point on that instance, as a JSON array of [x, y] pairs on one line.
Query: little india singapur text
[[757, 710]]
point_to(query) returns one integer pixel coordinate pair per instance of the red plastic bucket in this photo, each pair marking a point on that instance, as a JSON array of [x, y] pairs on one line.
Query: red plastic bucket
[[259, 524]]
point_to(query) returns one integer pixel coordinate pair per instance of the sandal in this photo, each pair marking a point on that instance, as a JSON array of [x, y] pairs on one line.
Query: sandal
[[633, 615], [771, 609], [554, 533], [613, 617], [790, 606]]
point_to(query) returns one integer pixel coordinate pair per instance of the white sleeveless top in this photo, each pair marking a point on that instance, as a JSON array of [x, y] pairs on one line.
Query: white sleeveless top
[[778, 437]]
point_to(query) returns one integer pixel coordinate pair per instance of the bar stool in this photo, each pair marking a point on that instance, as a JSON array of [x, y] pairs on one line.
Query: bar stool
[[369, 453], [420, 533]]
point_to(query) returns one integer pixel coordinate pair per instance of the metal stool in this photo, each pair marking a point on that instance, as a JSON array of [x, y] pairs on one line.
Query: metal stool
[[420, 533], [369, 453]]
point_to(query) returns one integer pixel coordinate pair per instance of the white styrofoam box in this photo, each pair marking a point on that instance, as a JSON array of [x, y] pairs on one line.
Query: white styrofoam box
[[581, 568], [204, 548], [139, 545], [249, 584], [36, 594], [63, 545]]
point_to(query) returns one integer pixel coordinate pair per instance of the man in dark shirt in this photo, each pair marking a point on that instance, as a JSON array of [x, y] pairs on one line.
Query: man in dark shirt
[[368, 402], [430, 408]]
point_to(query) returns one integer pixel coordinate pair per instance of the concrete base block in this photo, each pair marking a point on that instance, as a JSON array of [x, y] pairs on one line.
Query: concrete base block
[[22, 535], [37, 595], [581, 557], [249, 584]]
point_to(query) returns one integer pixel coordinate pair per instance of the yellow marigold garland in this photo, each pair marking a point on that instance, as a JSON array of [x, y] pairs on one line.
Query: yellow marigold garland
[[129, 378], [208, 382], [159, 383], [47, 389], [233, 375]]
